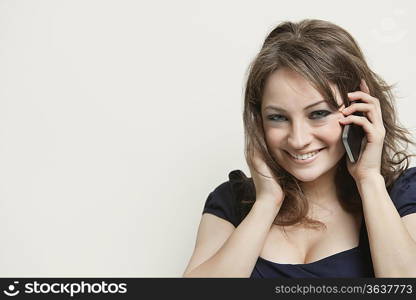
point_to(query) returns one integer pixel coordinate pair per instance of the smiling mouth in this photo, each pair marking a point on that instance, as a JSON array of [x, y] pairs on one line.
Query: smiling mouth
[[304, 158]]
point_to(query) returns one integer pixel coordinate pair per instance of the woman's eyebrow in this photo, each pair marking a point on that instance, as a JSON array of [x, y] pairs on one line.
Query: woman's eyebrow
[[281, 109]]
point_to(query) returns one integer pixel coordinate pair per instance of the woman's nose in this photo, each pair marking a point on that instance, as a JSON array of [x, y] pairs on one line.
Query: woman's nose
[[299, 136]]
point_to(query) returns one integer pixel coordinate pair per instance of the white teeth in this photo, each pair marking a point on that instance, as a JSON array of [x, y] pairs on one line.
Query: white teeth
[[304, 156]]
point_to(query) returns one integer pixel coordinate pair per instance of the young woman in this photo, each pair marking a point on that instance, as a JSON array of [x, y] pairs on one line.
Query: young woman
[[307, 210]]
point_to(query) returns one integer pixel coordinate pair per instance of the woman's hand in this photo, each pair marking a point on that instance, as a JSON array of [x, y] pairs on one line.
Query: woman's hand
[[267, 188], [369, 161]]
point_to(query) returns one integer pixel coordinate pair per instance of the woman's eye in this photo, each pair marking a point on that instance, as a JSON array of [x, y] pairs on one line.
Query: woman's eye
[[276, 117], [319, 114]]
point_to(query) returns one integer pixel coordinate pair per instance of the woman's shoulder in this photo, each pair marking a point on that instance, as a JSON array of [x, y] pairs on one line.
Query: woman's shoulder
[[405, 180], [403, 192], [231, 199], [242, 186]]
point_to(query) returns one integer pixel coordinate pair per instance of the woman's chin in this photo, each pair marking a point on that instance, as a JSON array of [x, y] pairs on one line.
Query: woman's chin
[[306, 176]]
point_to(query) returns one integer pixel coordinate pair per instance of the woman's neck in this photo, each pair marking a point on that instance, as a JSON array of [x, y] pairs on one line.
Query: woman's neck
[[322, 191]]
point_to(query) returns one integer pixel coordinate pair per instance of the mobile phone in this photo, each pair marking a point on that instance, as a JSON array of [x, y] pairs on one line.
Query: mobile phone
[[352, 137]]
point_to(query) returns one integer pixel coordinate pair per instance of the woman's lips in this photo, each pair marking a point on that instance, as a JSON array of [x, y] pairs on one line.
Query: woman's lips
[[304, 161]]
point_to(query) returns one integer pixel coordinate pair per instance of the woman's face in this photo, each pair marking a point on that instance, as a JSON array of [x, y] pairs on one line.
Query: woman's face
[[302, 131]]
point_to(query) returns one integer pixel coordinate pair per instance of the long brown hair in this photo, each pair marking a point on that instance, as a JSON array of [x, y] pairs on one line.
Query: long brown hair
[[323, 53]]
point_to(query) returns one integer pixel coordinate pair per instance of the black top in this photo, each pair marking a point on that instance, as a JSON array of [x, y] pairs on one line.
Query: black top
[[355, 262]]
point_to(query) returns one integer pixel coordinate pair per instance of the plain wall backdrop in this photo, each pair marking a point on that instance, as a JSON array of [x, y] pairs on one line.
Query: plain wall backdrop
[[117, 118]]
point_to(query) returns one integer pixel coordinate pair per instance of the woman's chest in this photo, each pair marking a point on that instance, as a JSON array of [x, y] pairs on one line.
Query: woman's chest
[[300, 245]]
